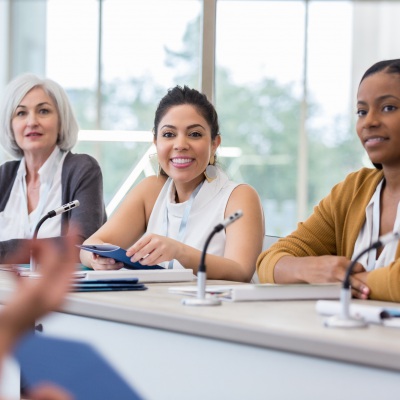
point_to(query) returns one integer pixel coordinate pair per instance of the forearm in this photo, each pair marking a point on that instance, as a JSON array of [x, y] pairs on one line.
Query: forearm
[[384, 282], [225, 269], [217, 267], [291, 269], [86, 257]]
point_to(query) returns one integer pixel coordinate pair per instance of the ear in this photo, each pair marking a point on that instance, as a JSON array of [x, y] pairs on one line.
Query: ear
[[215, 143]]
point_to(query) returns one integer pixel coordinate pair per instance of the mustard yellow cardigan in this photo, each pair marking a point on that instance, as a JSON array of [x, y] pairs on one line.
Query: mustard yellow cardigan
[[333, 229]]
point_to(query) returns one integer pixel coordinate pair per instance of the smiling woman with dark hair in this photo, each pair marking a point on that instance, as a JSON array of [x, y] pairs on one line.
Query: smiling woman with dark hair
[[38, 127], [358, 210], [166, 219]]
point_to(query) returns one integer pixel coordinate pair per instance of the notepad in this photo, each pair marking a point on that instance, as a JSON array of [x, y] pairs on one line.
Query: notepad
[[107, 285], [266, 291], [150, 276], [73, 365]]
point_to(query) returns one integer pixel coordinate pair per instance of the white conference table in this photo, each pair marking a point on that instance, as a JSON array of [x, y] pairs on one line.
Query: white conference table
[[247, 350]]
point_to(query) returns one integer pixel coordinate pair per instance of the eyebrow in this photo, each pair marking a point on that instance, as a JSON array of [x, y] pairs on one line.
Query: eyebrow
[[38, 105], [381, 98], [188, 127]]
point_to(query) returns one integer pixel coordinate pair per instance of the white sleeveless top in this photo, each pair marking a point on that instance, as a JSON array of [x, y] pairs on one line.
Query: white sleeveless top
[[207, 211]]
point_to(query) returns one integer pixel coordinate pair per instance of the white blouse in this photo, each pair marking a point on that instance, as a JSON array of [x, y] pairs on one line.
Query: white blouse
[[15, 222], [370, 233]]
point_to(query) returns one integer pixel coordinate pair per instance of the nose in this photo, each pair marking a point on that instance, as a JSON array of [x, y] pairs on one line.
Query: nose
[[31, 119], [371, 119], [181, 142]]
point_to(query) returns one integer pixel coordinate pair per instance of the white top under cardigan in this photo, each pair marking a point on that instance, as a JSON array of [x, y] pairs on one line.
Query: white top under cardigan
[[207, 211], [370, 233], [15, 222]]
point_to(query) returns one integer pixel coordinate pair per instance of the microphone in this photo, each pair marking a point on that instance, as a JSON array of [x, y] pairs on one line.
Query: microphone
[[344, 319], [63, 209], [201, 273], [60, 210], [227, 221], [53, 213]]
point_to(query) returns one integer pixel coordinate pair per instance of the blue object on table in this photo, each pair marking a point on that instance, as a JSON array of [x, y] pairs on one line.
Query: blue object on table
[[117, 253]]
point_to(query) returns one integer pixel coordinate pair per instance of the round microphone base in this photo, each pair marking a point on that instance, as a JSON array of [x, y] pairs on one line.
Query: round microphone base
[[337, 321], [201, 302]]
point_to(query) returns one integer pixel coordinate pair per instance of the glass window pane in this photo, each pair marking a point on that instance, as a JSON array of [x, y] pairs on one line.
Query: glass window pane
[[345, 39], [333, 147], [260, 66], [144, 54], [258, 91], [117, 160], [72, 53]]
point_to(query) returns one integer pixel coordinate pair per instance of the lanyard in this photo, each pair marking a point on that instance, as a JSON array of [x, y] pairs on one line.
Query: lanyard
[[184, 221]]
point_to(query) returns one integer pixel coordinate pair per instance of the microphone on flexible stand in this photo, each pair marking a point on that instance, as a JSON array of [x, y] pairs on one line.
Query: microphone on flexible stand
[[201, 299], [50, 214], [344, 319]]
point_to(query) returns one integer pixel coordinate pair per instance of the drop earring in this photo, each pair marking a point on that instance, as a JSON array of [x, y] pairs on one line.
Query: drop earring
[[211, 171]]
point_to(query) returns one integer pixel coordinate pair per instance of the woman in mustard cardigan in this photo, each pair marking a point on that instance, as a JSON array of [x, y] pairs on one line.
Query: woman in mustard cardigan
[[358, 210]]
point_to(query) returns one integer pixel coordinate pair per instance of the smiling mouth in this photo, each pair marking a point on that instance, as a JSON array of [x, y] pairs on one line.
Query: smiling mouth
[[374, 140], [181, 160]]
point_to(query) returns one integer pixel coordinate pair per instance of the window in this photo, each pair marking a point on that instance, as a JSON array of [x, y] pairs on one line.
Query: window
[[286, 76]]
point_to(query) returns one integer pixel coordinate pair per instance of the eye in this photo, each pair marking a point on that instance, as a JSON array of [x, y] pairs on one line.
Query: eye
[[196, 134], [20, 113], [389, 108], [361, 113], [44, 111], [168, 134]]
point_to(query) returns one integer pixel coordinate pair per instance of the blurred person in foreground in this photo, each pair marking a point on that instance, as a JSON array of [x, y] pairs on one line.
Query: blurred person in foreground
[[33, 298]]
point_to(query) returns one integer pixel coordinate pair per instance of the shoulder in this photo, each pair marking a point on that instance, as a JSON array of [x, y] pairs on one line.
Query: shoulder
[[364, 179], [152, 185], [77, 161], [244, 196], [243, 190], [78, 167], [144, 194], [364, 175], [9, 168], [147, 189]]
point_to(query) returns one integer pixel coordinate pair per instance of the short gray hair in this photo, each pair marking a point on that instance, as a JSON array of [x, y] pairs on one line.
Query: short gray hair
[[15, 91]]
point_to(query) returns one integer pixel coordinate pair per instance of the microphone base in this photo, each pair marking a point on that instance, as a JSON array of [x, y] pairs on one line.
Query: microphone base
[[337, 321], [202, 302]]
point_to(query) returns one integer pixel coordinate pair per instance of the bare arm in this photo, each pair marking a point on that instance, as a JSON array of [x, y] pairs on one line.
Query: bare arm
[[127, 224]]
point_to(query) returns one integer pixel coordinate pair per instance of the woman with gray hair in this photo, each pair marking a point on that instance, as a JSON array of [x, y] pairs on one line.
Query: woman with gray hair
[[38, 127]]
